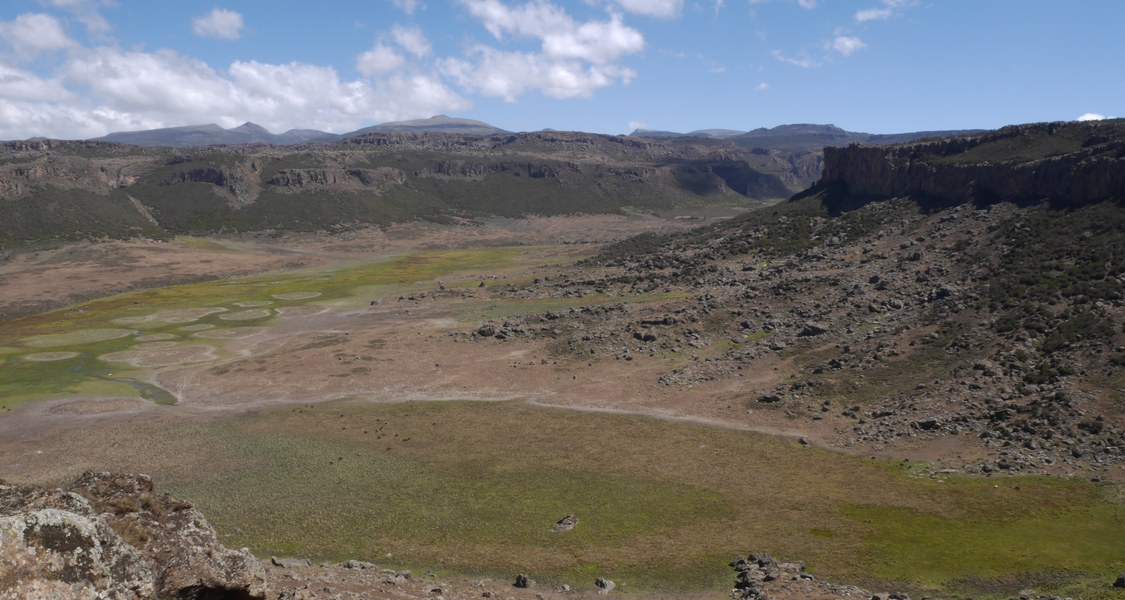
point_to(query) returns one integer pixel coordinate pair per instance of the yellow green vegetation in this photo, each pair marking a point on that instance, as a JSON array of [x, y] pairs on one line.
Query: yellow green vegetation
[[476, 488], [110, 327]]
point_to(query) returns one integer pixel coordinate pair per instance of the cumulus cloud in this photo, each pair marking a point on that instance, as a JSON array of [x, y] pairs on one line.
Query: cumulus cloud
[[560, 35], [807, 4], [574, 58], [663, 9], [106, 89], [17, 85], [412, 40], [888, 9], [1093, 117], [219, 23], [847, 45], [31, 34], [509, 75], [378, 60]]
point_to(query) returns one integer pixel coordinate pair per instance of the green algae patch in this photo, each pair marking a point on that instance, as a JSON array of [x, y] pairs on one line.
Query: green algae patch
[[76, 338], [156, 337], [297, 295]]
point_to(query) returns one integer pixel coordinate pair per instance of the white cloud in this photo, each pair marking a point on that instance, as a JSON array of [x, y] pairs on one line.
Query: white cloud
[[155, 83], [873, 14], [378, 60], [804, 62], [21, 86], [594, 41], [574, 59], [31, 34], [664, 9], [1093, 117], [761, 87], [508, 75], [886, 11], [635, 125], [560, 35], [219, 23], [408, 6], [412, 40], [807, 4], [847, 45], [107, 89]]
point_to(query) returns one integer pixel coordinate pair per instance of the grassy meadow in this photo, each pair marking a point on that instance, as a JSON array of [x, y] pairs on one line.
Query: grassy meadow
[[475, 488]]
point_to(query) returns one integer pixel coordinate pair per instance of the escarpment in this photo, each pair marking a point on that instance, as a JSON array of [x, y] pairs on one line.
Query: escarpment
[[1069, 164]]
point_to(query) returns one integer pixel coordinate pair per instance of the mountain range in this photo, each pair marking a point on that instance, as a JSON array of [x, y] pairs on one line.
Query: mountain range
[[251, 133], [787, 138], [801, 136]]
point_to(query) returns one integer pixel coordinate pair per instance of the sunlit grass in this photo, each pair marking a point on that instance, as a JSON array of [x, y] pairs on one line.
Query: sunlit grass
[[476, 487]]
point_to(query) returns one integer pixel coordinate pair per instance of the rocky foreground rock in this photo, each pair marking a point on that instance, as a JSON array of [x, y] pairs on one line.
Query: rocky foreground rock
[[112, 536]]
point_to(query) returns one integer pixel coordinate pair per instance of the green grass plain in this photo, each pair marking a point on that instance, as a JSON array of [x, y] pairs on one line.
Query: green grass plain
[[474, 488]]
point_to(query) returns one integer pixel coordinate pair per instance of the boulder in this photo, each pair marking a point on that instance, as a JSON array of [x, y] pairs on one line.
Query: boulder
[[54, 545], [565, 524], [812, 328], [113, 536], [182, 546]]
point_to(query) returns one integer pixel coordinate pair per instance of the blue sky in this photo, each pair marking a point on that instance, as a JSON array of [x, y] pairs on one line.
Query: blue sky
[[83, 68]]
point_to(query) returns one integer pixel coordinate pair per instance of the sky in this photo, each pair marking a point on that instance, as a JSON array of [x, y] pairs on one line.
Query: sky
[[75, 69]]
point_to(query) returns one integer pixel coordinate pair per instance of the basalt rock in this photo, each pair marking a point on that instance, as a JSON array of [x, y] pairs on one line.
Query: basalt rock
[[113, 536]]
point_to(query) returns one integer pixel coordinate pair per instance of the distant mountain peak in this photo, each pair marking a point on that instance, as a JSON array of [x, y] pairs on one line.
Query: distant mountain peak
[[434, 124], [249, 127]]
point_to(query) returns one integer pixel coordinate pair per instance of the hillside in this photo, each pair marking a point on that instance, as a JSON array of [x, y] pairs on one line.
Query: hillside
[[80, 190], [914, 307]]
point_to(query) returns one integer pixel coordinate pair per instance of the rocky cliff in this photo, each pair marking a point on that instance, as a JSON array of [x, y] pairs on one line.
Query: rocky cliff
[[1066, 163], [55, 190], [112, 536]]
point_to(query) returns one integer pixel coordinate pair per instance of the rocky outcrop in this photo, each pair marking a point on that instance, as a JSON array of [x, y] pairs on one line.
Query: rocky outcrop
[[54, 545], [1069, 164], [299, 180], [112, 536], [478, 170]]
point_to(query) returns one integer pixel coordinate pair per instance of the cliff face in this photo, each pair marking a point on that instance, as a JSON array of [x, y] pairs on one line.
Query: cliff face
[[1068, 163]]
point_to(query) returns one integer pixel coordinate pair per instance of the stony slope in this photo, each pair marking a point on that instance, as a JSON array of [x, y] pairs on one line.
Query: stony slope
[[910, 321]]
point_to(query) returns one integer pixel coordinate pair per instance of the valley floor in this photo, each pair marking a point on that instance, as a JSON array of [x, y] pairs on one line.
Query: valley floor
[[290, 388]]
